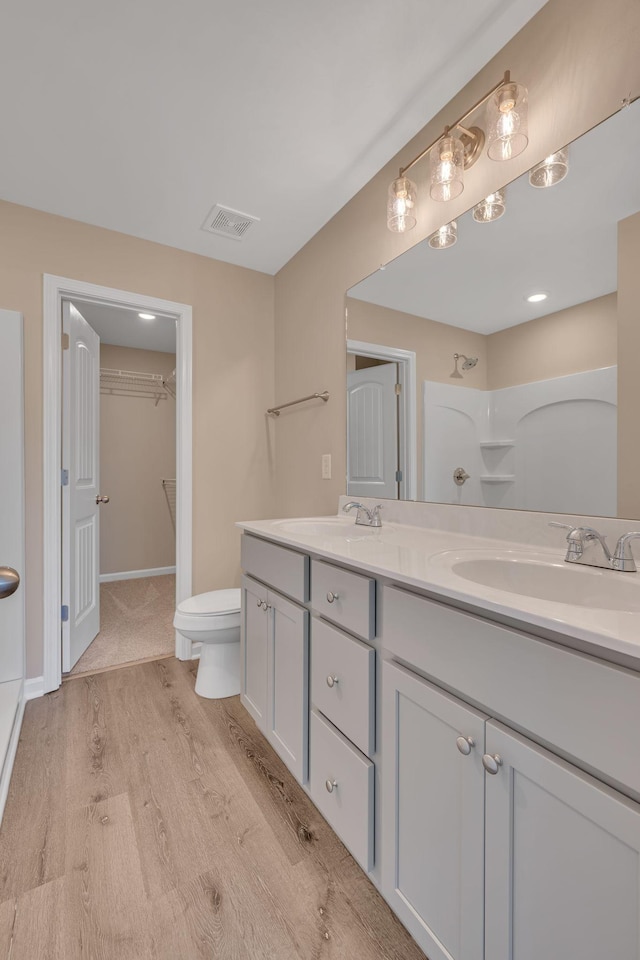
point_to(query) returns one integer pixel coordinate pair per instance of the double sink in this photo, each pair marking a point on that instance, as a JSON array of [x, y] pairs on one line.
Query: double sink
[[537, 575]]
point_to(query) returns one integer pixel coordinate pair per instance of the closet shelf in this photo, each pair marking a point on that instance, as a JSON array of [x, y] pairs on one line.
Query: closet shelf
[[136, 383]]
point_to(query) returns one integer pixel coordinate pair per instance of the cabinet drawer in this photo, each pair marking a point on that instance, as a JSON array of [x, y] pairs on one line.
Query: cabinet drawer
[[582, 707], [342, 683], [346, 598], [348, 807], [284, 569]]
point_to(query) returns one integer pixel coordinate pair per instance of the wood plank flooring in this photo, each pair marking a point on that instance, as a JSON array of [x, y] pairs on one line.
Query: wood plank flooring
[[144, 823]]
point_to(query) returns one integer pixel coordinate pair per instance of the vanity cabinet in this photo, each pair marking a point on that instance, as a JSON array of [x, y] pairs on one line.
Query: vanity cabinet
[[275, 671], [433, 815], [493, 846], [562, 858]]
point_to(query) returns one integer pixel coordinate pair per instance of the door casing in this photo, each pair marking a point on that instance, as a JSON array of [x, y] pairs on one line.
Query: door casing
[[55, 290]]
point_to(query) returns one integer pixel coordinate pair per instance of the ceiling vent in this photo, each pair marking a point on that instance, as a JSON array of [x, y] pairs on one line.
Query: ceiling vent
[[232, 224]]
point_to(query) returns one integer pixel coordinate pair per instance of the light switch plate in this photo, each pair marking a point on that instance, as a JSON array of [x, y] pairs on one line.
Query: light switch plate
[[326, 466]]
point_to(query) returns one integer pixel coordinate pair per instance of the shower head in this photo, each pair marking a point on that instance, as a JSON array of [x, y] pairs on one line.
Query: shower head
[[469, 362]]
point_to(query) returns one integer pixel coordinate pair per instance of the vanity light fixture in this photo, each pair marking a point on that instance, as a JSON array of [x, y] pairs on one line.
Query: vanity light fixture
[[458, 148], [552, 170], [491, 208], [147, 316], [445, 237], [536, 297]]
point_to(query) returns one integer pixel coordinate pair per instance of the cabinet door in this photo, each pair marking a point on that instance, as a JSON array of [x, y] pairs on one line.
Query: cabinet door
[[563, 862], [433, 815], [288, 684], [253, 650]]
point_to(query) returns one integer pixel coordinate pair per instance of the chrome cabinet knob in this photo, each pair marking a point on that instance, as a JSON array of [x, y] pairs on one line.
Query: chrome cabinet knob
[[331, 785], [465, 744], [491, 762], [100, 499], [331, 681], [332, 596], [9, 581]]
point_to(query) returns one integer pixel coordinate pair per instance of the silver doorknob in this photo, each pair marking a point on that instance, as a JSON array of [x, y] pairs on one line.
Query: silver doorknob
[[464, 745], [332, 596], [492, 762], [331, 681], [9, 581], [330, 785], [100, 499]]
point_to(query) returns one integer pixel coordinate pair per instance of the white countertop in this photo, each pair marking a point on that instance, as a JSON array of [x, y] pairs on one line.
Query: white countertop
[[422, 558]]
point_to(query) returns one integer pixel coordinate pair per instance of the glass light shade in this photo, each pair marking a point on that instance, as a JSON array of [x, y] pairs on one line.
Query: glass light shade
[[401, 202], [552, 170], [445, 237], [491, 208], [507, 122], [447, 169]]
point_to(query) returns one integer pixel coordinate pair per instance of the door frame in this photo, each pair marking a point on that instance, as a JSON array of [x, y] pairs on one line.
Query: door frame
[[55, 289], [407, 432]]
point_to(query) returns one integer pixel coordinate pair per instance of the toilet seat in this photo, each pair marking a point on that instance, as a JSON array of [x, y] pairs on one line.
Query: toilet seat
[[215, 610]]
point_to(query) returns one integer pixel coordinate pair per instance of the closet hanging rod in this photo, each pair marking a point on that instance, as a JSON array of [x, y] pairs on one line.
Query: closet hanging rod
[[275, 411]]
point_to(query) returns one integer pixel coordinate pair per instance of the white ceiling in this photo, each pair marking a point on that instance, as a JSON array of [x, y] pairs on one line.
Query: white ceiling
[[140, 116], [124, 328], [561, 240]]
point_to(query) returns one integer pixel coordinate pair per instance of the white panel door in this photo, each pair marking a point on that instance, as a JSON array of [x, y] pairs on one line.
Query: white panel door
[[372, 432], [80, 454], [12, 498], [563, 859]]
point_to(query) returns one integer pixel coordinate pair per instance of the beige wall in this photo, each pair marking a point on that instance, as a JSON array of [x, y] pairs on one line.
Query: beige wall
[[137, 449], [233, 369], [578, 58], [628, 372], [583, 337]]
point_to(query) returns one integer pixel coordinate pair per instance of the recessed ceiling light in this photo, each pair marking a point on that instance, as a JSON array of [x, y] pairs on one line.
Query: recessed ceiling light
[[147, 316], [537, 297]]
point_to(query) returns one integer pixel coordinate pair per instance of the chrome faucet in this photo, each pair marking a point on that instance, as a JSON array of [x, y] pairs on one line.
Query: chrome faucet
[[579, 538], [365, 517]]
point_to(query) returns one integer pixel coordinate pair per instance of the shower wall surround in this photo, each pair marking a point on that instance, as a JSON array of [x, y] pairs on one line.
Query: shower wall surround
[[506, 439]]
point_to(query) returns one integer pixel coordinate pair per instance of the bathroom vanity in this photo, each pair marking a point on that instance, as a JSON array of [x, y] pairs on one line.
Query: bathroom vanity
[[475, 749]]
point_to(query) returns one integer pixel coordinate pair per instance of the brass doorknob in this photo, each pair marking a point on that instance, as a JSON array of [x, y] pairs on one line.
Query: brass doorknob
[[100, 499]]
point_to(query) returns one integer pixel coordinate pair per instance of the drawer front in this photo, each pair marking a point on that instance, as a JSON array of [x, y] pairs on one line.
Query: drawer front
[[346, 598], [348, 806], [284, 569], [342, 683], [584, 708]]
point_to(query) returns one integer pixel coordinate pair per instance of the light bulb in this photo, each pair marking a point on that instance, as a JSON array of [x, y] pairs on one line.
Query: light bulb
[[507, 112], [552, 170], [401, 201], [447, 165], [445, 237], [491, 208]]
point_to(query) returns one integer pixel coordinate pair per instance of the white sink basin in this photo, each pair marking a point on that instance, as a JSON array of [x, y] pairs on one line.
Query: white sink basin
[[344, 527], [547, 579]]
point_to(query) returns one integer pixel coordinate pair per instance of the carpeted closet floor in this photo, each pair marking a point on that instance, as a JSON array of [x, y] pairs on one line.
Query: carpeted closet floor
[[136, 622]]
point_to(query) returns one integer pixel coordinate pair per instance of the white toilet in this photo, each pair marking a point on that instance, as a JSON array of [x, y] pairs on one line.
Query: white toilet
[[214, 619]]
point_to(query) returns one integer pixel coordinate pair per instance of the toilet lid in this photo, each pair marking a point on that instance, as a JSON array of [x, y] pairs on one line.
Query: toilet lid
[[213, 603]]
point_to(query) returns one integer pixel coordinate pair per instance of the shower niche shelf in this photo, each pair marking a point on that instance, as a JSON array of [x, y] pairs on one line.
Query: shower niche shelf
[[498, 478], [496, 444]]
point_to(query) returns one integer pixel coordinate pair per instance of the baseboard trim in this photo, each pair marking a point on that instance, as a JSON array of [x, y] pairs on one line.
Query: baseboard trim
[[135, 574], [7, 766], [33, 688]]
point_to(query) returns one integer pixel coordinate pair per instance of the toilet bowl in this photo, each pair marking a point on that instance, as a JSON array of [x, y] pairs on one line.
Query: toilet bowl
[[214, 619]]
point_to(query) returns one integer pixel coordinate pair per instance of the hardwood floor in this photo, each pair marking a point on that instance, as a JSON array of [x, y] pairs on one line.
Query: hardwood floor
[[144, 823]]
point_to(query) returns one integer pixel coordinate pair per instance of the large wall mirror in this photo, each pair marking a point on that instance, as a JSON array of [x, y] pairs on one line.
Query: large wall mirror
[[485, 373]]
